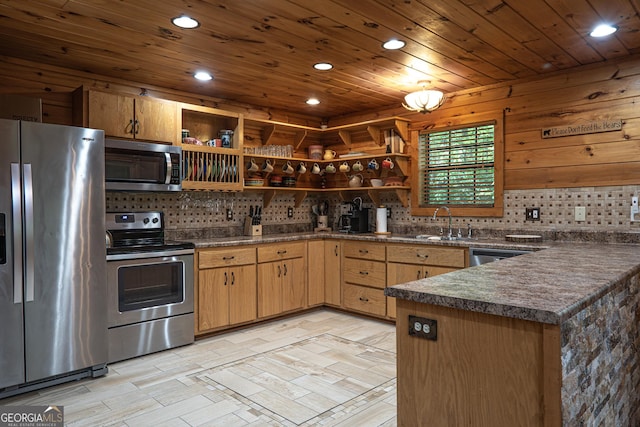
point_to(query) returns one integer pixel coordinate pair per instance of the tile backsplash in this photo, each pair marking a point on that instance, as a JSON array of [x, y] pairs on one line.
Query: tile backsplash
[[192, 214]]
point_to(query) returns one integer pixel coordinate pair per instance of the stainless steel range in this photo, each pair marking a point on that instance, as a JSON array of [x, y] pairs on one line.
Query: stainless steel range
[[149, 286]]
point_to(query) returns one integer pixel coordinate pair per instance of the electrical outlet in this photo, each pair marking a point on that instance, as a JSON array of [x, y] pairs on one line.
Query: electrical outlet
[[421, 327], [229, 215], [580, 213], [532, 214], [289, 212]]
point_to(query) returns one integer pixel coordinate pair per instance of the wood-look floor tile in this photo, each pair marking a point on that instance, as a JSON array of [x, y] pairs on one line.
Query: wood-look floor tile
[[317, 369]]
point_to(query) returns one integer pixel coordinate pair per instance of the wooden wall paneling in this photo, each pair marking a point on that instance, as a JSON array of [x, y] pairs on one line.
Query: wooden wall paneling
[[530, 139], [575, 155], [573, 176]]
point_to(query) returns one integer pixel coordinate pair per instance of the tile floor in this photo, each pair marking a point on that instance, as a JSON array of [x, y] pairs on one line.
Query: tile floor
[[321, 368]]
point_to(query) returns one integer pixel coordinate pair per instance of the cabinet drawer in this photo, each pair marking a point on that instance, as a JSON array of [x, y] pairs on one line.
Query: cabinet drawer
[[364, 250], [427, 255], [267, 253], [362, 272], [211, 258], [364, 299]]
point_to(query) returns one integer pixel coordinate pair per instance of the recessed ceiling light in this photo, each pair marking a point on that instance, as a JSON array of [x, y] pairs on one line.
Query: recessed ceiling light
[[203, 76], [323, 66], [603, 30], [313, 101], [393, 44], [184, 21]]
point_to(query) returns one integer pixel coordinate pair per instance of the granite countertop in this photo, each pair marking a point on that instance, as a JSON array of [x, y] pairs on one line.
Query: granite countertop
[[370, 237], [547, 286]]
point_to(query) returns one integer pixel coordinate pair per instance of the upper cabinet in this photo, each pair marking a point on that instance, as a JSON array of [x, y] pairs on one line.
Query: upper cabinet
[[134, 117], [214, 165]]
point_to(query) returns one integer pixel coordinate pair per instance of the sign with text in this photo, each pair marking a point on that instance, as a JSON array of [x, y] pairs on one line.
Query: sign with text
[[582, 129]]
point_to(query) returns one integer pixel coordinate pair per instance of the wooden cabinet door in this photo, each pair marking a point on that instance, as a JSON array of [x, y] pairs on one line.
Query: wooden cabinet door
[[112, 113], [400, 273], [269, 288], [316, 273], [243, 298], [156, 120], [293, 284], [213, 298], [332, 272]]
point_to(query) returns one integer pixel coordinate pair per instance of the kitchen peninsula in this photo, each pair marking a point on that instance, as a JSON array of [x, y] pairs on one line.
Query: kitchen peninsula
[[545, 339]]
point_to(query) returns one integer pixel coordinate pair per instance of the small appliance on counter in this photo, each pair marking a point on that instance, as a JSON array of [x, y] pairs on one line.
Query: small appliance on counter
[[357, 220]]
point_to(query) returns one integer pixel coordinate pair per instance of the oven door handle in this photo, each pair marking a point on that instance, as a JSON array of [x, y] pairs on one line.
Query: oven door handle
[[145, 255]]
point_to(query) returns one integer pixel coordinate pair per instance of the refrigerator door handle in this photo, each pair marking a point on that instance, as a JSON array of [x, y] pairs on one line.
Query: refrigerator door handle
[[16, 203], [28, 232]]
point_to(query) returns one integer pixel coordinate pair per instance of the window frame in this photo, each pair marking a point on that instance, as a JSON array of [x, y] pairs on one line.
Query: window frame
[[497, 210]]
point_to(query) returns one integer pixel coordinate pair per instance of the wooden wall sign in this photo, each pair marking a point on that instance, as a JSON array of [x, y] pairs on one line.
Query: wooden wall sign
[[590, 127]]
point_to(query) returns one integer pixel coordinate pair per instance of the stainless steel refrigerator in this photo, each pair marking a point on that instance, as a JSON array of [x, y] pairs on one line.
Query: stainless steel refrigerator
[[52, 255]]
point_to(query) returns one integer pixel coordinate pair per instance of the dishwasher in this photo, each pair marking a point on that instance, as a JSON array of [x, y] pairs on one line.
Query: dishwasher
[[479, 256]]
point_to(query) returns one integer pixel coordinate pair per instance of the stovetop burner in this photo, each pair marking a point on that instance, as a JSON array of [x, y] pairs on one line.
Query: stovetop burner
[[138, 232]]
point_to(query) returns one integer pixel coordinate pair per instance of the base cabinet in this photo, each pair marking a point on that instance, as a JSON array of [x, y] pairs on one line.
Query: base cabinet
[[282, 280], [364, 277], [332, 272], [406, 263], [227, 288]]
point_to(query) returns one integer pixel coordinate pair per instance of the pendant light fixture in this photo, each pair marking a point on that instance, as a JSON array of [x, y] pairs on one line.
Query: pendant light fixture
[[424, 101]]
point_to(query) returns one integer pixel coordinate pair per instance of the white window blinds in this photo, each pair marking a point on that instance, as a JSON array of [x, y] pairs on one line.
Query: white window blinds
[[456, 167]]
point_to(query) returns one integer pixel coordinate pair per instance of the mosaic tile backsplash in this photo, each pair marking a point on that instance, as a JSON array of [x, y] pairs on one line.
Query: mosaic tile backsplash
[[192, 214]]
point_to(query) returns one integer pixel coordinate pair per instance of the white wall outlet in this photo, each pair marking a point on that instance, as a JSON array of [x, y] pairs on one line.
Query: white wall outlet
[[634, 208], [580, 213]]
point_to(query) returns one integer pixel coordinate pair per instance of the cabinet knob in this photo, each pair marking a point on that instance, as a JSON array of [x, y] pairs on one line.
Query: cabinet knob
[[335, 250], [228, 258], [363, 299], [225, 278], [282, 252], [364, 273], [364, 251], [233, 278], [279, 271], [285, 269]]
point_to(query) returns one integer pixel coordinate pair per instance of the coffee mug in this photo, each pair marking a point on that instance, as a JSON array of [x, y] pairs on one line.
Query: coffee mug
[[302, 167], [373, 165], [387, 163], [330, 168], [287, 168], [315, 169], [267, 166], [357, 166], [252, 166], [344, 167]]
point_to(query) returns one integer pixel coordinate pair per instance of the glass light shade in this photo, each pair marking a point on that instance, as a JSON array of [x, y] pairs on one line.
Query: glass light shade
[[203, 76], [424, 101], [185, 22]]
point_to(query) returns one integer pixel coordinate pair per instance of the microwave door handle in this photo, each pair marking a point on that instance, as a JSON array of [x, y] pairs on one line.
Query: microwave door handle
[[167, 179], [28, 231], [16, 201]]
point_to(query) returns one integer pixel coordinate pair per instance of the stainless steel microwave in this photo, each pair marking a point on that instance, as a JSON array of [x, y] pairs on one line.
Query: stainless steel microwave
[[142, 166]]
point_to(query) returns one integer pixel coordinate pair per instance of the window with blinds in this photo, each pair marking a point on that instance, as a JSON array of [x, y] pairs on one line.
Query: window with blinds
[[456, 167]]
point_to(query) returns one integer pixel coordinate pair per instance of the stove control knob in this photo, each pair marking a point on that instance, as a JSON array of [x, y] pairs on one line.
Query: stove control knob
[[155, 220], [146, 220]]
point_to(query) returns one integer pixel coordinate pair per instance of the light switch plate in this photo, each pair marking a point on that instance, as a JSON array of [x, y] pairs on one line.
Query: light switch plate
[[580, 213]]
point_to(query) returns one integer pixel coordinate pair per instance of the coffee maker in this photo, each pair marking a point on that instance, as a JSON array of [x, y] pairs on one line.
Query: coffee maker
[[357, 220]]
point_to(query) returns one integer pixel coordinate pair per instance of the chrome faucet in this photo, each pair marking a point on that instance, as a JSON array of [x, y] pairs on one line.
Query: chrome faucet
[[445, 207]]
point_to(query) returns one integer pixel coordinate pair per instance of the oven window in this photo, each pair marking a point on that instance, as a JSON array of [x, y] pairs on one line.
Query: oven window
[[150, 285]]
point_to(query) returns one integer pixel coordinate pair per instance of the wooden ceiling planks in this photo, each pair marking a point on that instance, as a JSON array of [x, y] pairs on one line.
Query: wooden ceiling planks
[[261, 53]]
